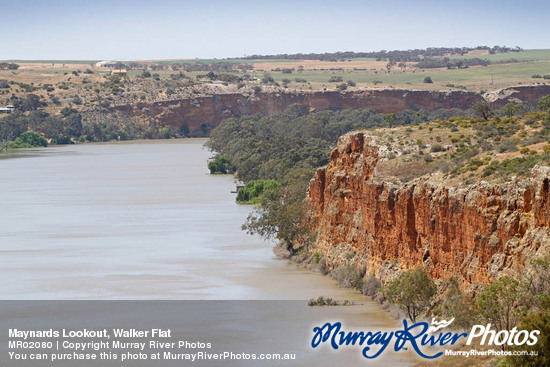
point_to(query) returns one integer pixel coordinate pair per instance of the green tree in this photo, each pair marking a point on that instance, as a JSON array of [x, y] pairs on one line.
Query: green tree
[[536, 286], [390, 65], [119, 66], [537, 283], [66, 111], [219, 165], [11, 127], [544, 103], [30, 103], [284, 215], [483, 110], [512, 109], [500, 303], [29, 139], [413, 291], [454, 305], [390, 118], [534, 321], [267, 79], [52, 126]]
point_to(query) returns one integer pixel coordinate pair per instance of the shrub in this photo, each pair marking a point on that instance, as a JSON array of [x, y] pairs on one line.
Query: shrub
[[316, 257], [428, 80], [29, 139], [61, 139], [253, 190], [371, 286], [335, 79], [322, 301], [507, 145], [437, 148], [327, 301], [348, 276], [342, 86]]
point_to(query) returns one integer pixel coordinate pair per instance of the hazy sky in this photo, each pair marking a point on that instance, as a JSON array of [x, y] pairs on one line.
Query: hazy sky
[[144, 29]]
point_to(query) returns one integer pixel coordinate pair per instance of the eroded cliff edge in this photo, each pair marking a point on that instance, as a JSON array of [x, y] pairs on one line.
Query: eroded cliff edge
[[474, 233], [200, 114]]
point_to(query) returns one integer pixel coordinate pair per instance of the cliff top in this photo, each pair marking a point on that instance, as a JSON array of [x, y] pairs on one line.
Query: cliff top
[[463, 150]]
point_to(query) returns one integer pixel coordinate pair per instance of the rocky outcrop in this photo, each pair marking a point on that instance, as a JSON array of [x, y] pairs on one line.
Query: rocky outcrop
[[529, 93], [474, 233]]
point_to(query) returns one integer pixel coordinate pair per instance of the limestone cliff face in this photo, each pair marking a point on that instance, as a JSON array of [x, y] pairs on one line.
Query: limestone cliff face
[[474, 233], [199, 115]]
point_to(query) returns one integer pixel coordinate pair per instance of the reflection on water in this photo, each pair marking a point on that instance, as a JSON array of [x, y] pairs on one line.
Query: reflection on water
[[140, 221]]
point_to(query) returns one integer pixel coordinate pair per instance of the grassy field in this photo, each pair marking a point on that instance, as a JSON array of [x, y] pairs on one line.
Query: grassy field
[[517, 72], [312, 75]]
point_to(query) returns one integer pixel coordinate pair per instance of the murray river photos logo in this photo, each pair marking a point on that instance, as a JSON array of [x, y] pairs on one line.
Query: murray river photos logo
[[417, 336]]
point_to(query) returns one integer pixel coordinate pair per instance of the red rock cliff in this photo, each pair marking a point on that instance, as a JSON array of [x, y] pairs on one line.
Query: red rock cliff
[[199, 115], [474, 233]]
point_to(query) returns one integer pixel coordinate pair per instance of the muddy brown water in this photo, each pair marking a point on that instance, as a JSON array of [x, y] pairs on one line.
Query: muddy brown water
[[145, 221]]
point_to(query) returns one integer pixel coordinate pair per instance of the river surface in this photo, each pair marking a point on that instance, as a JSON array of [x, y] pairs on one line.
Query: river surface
[[145, 221]]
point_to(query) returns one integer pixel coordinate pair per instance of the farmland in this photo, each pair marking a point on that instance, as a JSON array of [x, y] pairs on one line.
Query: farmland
[[62, 83]]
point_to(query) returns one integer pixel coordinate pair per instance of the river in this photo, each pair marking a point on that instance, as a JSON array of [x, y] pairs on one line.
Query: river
[[145, 221]]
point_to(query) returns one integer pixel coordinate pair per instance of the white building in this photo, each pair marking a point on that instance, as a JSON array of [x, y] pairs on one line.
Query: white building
[[7, 109], [106, 64]]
